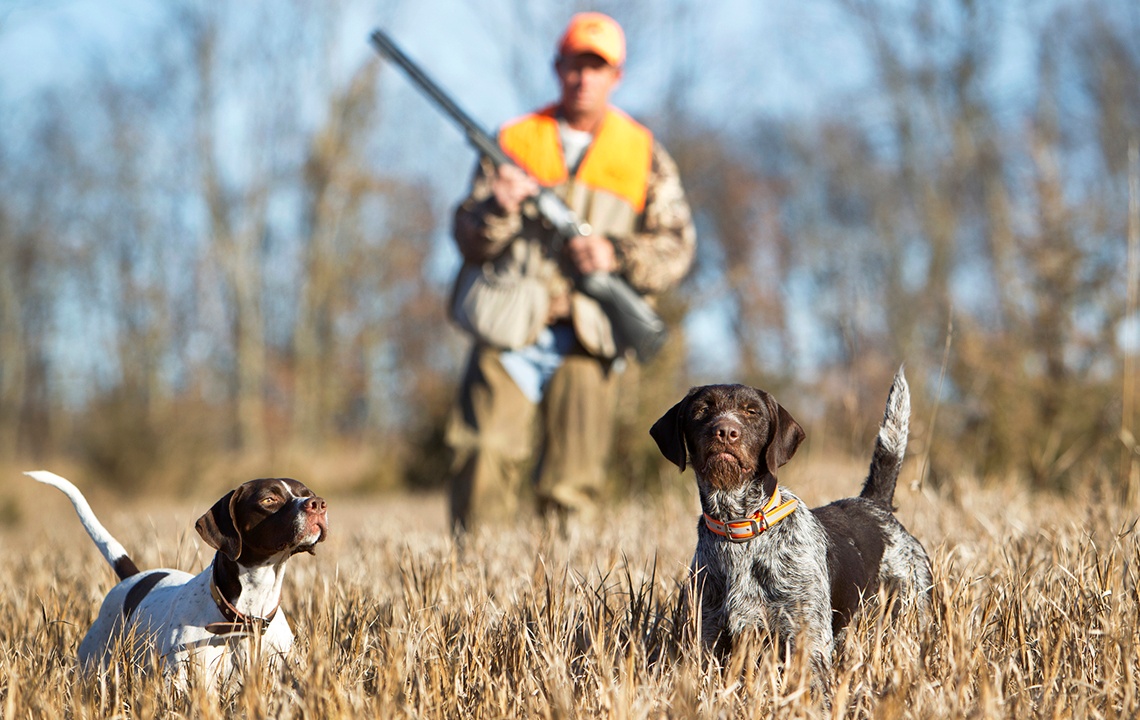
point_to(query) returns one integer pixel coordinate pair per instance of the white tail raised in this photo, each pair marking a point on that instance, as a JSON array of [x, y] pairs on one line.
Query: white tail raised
[[112, 550]]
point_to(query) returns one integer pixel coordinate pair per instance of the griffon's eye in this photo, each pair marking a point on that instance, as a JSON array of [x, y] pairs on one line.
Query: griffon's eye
[[270, 501], [751, 411]]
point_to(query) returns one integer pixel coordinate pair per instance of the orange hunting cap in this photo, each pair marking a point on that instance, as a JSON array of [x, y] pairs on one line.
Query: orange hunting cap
[[593, 32]]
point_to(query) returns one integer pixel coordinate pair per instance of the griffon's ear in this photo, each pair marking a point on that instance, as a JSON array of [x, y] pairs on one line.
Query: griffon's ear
[[785, 436], [218, 527], [669, 433]]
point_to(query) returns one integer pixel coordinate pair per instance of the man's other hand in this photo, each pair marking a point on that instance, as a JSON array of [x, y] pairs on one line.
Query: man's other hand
[[591, 254]]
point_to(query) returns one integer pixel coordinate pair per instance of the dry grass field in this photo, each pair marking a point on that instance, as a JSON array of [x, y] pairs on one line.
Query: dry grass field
[[1037, 597]]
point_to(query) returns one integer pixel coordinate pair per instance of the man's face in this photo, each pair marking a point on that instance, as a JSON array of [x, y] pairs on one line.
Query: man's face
[[587, 81]]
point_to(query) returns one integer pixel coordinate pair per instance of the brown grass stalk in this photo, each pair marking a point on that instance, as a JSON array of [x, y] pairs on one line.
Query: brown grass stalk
[[1130, 452]]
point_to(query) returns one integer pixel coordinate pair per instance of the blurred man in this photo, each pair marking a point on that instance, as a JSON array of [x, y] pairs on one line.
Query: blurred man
[[560, 370]]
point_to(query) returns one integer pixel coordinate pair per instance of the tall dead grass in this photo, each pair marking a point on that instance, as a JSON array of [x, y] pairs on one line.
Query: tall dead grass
[[1037, 616]]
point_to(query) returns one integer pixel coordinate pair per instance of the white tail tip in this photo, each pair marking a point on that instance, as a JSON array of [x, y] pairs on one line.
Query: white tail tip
[[46, 476]]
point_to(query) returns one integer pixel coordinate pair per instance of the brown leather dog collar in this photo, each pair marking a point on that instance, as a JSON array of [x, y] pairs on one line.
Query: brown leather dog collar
[[236, 621], [744, 529]]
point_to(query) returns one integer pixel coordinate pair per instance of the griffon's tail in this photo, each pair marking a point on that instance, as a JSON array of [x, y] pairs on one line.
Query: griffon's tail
[[115, 553], [890, 445]]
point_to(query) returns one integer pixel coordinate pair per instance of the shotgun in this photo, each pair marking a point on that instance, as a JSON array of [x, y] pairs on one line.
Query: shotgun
[[636, 325]]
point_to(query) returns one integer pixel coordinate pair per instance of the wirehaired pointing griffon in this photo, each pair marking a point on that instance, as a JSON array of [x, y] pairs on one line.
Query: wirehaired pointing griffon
[[229, 609], [763, 560]]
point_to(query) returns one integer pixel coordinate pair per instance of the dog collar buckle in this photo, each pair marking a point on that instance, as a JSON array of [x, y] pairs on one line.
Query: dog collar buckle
[[744, 529], [739, 530]]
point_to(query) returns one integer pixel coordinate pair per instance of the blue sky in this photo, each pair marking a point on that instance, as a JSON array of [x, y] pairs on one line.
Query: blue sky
[[747, 59]]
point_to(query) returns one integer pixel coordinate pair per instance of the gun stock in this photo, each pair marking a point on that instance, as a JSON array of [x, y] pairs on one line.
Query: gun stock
[[636, 325]]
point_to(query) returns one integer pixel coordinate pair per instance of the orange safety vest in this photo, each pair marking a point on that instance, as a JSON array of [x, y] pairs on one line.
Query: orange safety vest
[[617, 161]]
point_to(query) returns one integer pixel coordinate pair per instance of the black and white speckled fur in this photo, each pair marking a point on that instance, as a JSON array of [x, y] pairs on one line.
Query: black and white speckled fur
[[803, 578]]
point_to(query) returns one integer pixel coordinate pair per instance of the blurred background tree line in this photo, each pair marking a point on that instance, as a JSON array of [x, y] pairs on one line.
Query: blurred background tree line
[[226, 246]]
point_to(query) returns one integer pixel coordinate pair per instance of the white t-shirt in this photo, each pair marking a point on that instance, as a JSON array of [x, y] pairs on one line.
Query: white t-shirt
[[574, 144]]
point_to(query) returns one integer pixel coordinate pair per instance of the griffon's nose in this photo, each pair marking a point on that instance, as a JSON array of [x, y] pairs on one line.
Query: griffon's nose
[[727, 430]]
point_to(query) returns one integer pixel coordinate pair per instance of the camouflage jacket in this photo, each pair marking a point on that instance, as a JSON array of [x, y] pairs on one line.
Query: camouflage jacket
[[652, 258]]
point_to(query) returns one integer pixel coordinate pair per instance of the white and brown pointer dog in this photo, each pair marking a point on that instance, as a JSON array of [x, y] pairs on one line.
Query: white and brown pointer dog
[[222, 616], [764, 562]]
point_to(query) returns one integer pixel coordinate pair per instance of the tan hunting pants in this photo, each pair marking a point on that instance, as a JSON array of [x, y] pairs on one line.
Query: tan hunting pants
[[494, 429]]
